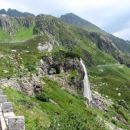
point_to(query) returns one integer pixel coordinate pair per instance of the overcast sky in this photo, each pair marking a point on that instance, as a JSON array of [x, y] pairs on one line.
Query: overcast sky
[[111, 15]]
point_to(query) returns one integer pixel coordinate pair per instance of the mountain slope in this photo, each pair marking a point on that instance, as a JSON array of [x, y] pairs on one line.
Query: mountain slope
[[16, 28], [84, 24], [56, 110], [70, 36], [46, 70], [73, 19]]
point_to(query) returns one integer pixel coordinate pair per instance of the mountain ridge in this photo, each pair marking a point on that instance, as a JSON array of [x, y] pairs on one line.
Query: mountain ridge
[[73, 19], [84, 24], [15, 13]]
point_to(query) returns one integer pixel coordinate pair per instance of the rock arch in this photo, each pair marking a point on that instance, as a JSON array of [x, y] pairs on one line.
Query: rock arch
[[53, 69]]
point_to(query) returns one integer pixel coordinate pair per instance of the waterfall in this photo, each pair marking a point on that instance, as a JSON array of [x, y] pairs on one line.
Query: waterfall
[[86, 91]]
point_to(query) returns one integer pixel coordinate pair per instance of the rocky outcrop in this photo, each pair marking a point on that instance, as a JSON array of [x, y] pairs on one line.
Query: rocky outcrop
[[68, 64], [101, 102], [103, 42], [106, 44], [44, 24], [25, 21], [11, 25], [28, 85], [48, 46], [5, 22], [52, 66]]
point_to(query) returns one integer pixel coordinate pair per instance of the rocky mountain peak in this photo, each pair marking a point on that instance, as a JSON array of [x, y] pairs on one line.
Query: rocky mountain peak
[[77, 21]]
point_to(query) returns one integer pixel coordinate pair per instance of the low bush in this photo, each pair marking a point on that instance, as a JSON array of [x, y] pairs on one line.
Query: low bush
[[42, 97]]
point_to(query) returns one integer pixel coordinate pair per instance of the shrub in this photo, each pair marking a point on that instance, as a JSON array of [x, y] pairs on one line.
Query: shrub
[[114, 121], [30, 67], [123, 103], [42, 97]]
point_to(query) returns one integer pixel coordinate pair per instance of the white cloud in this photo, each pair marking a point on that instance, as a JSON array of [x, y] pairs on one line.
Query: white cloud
[[125, 34], [111, 15]]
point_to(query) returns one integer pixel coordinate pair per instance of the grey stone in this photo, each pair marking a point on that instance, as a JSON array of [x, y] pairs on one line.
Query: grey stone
[[8, 114], [1, 92], [16, 123], [3, 98], [7, 107]]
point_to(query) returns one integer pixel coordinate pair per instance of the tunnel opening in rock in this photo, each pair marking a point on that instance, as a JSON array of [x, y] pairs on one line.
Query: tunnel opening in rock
[[53, 69]]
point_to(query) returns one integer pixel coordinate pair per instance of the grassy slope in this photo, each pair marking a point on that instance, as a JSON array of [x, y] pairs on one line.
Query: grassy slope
[[68, 111], [112, 81], [84, 48], [3, 35], [113, 76], [21, 35], [24, 33], [30, 108], [21, 56]]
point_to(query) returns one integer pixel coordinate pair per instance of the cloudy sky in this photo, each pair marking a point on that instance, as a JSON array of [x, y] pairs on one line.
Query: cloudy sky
[[111, 15]]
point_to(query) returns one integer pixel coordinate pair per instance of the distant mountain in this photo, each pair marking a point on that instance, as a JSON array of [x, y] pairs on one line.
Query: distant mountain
[[15, 13], [76, 20]]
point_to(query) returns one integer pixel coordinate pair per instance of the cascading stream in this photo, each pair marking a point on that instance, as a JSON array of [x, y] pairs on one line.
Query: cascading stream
[[87, 91]]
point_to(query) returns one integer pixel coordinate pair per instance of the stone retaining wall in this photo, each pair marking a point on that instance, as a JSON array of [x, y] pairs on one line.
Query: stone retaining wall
[[8, 120]]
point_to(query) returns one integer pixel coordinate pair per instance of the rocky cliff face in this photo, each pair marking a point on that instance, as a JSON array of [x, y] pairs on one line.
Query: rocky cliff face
[[46, 24], [103, 42], [52, 66], [106, 44], [10, 24], [5, 22]]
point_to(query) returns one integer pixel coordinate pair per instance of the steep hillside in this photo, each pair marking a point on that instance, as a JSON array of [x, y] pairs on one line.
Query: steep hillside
[[84, 24], [44, 74], [73, 19], [16, 29], [71, 37], [54, 109]]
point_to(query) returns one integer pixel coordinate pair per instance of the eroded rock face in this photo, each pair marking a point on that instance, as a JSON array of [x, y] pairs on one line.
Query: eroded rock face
[[50, 66], [25, 21], [5, 22], [28, 85], [47, 63], [103, 42], [12, 24], [100, 102]]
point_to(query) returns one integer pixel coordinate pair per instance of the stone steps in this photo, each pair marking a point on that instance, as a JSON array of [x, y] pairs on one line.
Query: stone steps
[[8, 120]]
